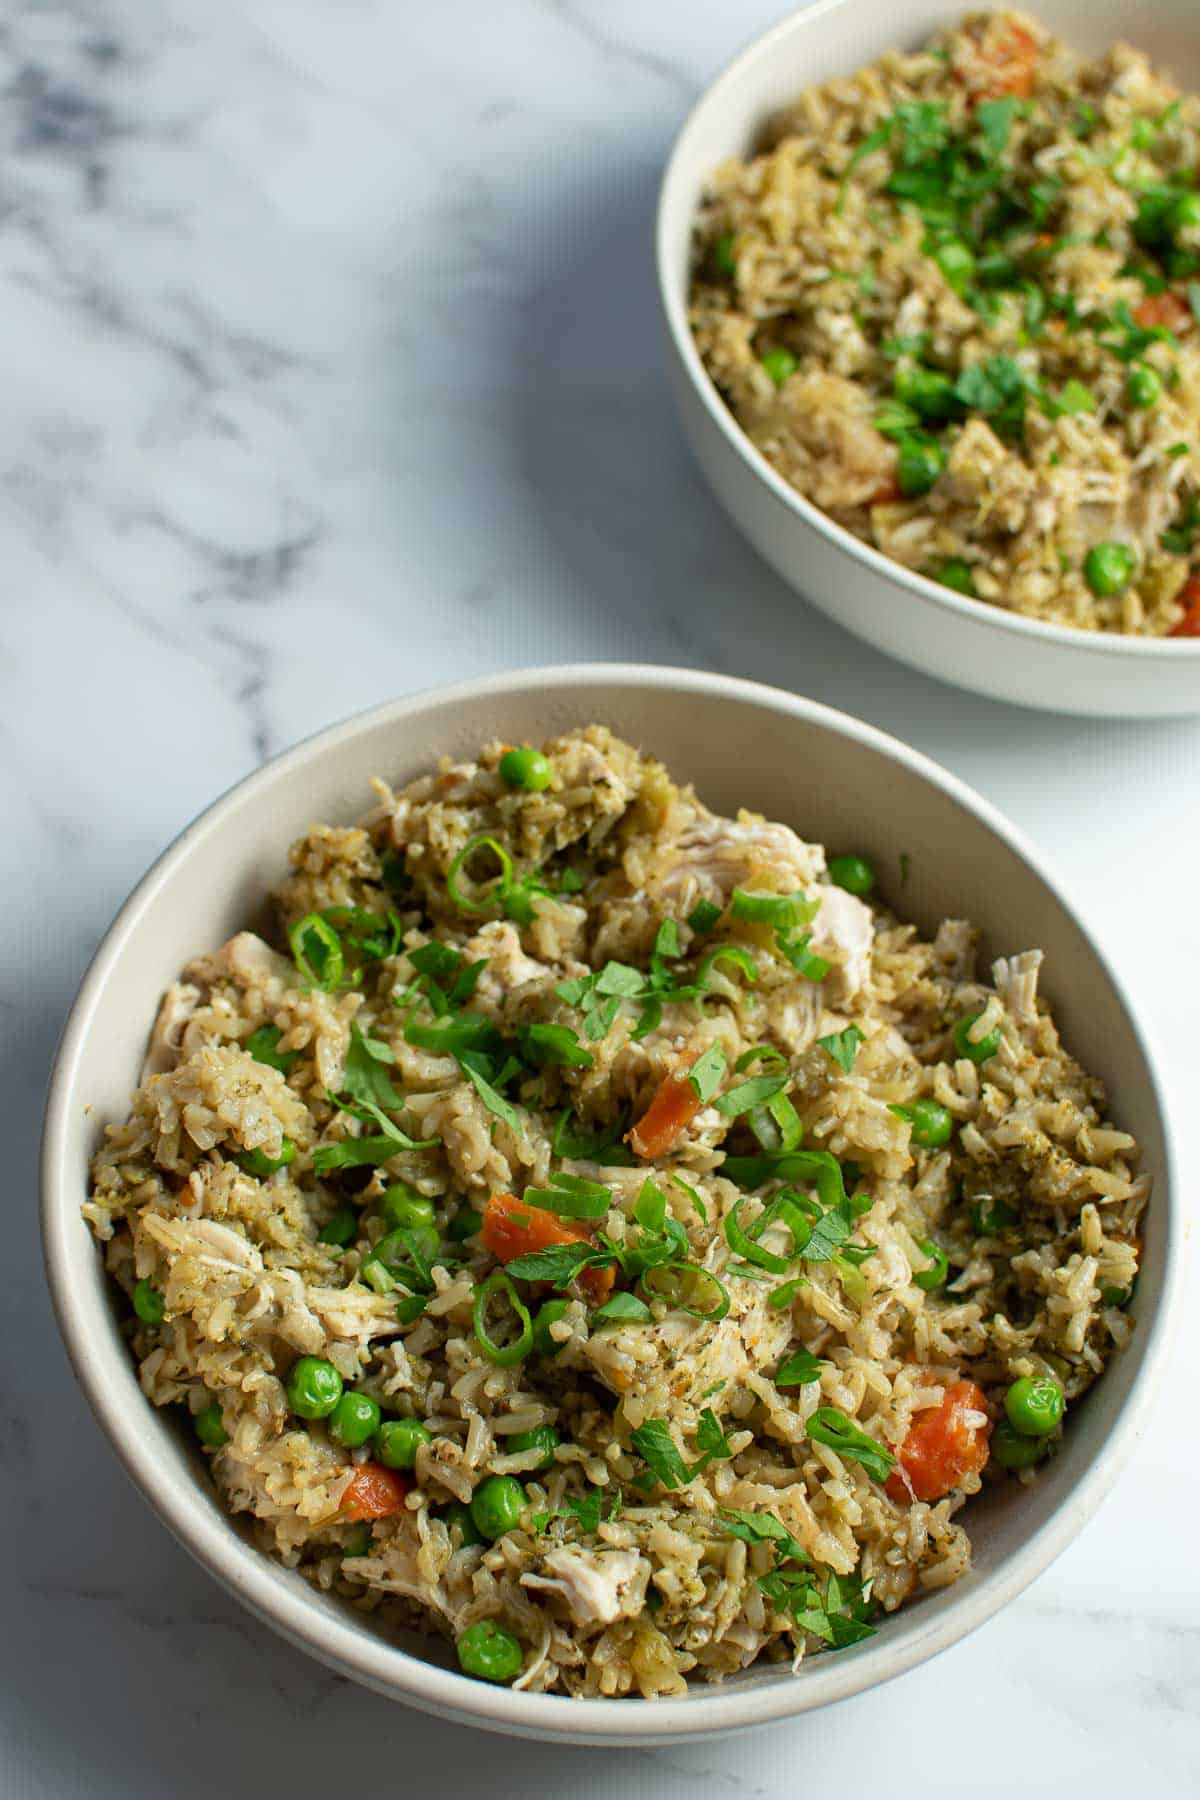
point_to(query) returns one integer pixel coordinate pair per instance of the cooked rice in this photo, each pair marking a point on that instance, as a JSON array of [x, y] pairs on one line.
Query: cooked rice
[[805, 249], [656, 1589]]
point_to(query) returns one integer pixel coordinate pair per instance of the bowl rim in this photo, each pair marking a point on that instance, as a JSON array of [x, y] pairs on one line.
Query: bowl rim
[[269, 1591], [674, 306]]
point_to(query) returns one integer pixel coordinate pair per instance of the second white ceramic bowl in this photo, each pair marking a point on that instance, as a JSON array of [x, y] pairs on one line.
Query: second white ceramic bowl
[[939, 632], [838, 782]]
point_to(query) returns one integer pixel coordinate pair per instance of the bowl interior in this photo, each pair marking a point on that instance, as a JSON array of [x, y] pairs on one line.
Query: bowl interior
[[939, 852], [837, 37], [829, 39]]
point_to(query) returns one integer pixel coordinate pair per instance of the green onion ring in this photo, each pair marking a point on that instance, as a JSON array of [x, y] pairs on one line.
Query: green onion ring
[[503, 1355], [729, 953], [747, 1247], [695, 1273], [774, 1059], [312, 925], [495, 890]]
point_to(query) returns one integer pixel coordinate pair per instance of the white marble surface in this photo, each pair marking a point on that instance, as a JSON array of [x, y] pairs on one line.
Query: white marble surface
[[329, 370]]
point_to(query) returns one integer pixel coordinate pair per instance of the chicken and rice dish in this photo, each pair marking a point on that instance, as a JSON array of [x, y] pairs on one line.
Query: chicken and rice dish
[[602, 1234], [954, 299]]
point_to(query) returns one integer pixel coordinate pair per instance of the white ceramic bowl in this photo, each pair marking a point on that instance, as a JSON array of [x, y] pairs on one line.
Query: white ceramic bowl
[[942, 633], [836, 781]]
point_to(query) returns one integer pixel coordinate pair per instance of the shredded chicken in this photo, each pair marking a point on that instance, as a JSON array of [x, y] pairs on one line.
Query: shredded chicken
[[598, 1586]]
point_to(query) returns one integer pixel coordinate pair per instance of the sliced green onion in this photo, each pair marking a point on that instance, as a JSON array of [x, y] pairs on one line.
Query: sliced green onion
[[766, 1053], [493, 891], [747, 1247], [730, 953], [503, 1355], [317, 951], [677, 1283]]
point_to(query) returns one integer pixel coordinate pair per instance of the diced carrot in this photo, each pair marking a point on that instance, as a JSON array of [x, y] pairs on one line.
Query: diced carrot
[[511, 1228], [942, 1446], [1009, 54], [374, 1493], [1162, 310], [1189, 625], [1013, 55], [674, 1106], [887, 493]]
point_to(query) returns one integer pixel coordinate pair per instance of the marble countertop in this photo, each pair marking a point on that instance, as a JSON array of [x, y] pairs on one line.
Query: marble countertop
[[330, 370]]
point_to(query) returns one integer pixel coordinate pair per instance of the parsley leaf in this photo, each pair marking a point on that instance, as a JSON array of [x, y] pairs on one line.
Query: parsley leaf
[[262, 1045], [801, 1368], [472, 1066], [843, 1046], [762, 1528], [550, 1045], [365, 1078], [657, 1448], [558, 1264], [707, 1072], [831, 1427], [623, 1308], [748, 1094]]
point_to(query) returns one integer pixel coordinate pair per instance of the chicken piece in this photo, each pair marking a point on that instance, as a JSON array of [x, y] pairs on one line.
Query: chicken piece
[[165, 1049], [713, 856], [598, 1586], [508, 968], [1016, 980], [844, 932], [245, 959]]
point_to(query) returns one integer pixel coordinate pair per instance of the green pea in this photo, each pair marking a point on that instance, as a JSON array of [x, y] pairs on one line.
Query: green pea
[[975, 1050], [359, 1541], [464, 1225], [399, 1440], [209, 1427], [939, 1266], [542, 1437], [548, 1314], [497, 1505], [341, 1229], [257, 1162], [956, 260], [490, 1653], [1143, 386], [990, 1216], [395, 1250], [931, 1124], [1184, 214], [779, 365], [918, 465], [402, 1206], [354, 1420], [1115, 1296], [526, 768], [460, 1516], [854, 873], [1034, 1406], [148, 1303], [724, 254], [314, 1387], [1011, 1450], [955, 573], [928, 391], [1108, 569]]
